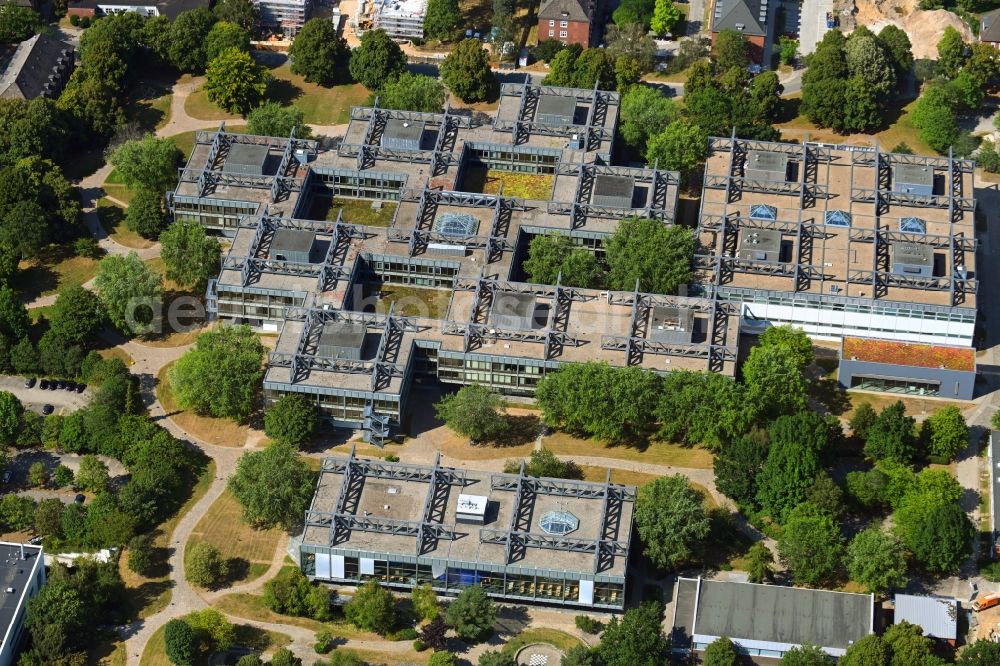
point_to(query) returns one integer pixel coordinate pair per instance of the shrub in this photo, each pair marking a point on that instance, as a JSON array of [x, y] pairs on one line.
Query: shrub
[[324, 642], [391, 457], [206, 567], [418, 646], [588, 625]]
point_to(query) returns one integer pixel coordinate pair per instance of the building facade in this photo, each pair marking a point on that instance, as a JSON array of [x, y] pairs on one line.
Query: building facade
[[907, 368], [283, 17], [22, 571], [569, 21], [754, 19]]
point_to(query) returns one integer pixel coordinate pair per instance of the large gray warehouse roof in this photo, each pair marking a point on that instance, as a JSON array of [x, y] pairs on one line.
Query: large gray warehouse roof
[[782, 615]]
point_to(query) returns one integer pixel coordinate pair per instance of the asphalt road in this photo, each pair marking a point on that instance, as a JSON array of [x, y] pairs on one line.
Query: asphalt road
[[34, 398]]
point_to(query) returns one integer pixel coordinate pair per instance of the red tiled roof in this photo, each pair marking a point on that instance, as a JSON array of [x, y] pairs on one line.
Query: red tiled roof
[[910, 353]]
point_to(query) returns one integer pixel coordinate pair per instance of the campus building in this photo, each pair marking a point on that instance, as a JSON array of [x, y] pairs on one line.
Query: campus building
[[521, 538], [22, 575], [402, 20], [283, 17], [569, 21], [37, 67], [768, 620], [147, 8]]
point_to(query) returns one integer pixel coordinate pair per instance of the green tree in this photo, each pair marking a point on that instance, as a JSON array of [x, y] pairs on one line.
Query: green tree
[[934, 115], [759, 560], [942, 538], [273, 486], [553, 255], [18, 23], [17, 512], [647, 253], [212, 629], [140, 554], [14, 319], [730, 49], [466, 71], [11, 412], [243, 13], [826, 494], [234, 82], [862, 419], [891, 435], [291, 419], [272, 119], [318, 52], [877, 560], [721, 652], [205, 566], [670, 517], [665, 17], [631, 42], [788, 49], [681, 146], [793, 461], [635, 639], [908, 644], [93, 474], [472, 615], [412, 92], [475, 412], [189, 255], [980, 653], [544, 463], [868, 60], [145, 214], [38, 474], [220, 375], [702, 408], [181, 644], [811, 545], [285, 657], [897, 43], [48, 517], [774, 380], [794, 339], [77, 315], [378, 59], [498, 658], [643, 110], [186, 43], [951, 52], [441, 19], [291, 593], [149, 162], [225, 35], [869, 651], [128, 288], [372, 608], [425, 602], [945, 433], [442, 658]]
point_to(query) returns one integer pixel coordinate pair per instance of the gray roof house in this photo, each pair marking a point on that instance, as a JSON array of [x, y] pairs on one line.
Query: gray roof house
[[753, 18], [39, 67], [989, 27], [937, 616]]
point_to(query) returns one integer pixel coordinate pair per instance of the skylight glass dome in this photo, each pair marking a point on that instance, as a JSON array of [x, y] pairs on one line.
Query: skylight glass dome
[[558, 522]]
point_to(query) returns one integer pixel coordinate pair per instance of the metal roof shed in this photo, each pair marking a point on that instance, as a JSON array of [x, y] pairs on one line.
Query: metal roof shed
[[341, 339], [766, 165], [402, 134], [913, 179], [295, 245], [555, 110], [613, 191], [246, 159], [937, 616]]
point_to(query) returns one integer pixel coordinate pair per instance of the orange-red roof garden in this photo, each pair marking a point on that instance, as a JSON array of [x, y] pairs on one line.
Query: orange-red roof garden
[[910, 353]]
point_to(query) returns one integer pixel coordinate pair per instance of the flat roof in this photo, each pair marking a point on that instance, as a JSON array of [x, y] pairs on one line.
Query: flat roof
[[766, 160], [15, 574], [555, 105], [246, 154], [909, 353], [915, 254], [760, 240], [613, 186], [937, 616], [913, 174], [398, 128], [670, 325], [347, 334], [782, 615], [292, 240]]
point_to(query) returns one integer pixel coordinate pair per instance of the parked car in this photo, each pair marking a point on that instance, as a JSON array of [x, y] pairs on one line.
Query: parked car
[[52, 385], [35, 540], [80, 388], [70, 386], [47, 409], [80, 499], [29, 382], [44, 385], [60, 385]]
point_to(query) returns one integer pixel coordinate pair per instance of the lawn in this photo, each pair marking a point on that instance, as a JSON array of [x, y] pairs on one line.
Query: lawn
[[256, 639], [146, 596], [57, 270], [560, 639], [356, 211], [622, 476], [409, 301], [320, 105], [656, 453], [915, 407], [534, 187], [115, 188], [250, 550], [112, 217], [221, 432]]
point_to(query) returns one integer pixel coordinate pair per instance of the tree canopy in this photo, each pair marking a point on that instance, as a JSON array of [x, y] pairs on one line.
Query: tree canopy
[[372, 608], [793, 460], [243, 13], [441, 19], [129, 289], [649, 254], [472, 614], [377, 60], [635, 638], [670, 517], [291, 419], [553, 255], [318, 52], [221, 374], [466, 71], [945, 433], [877, 560], [681, 146], [235, 82], [413, 92], [475, 412], [189, 255], [149, 162], [811, 545], [643, 112], [273, 119], [273, 486]]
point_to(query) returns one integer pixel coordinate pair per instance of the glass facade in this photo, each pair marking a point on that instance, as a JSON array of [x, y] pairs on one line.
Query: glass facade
[[889, 385], [212, 213]]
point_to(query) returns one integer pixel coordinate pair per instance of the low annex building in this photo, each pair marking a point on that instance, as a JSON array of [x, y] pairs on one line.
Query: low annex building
[[521, 538], [937, 616], [768, 620], [907, 368], [22, 575]]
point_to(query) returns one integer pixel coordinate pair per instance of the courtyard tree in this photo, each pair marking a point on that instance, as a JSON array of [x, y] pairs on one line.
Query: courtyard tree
[[644, 111], [759, 560], [774, 381], [877, 560], [665, 17], [945, 433], [273, 486], [869, 651], [472, 615], [145, 214], [793, 461], [908, 645], [149, 162], [811, 545], [273, 119], [129, 290], [647, 255], [805, 655], [372, 608], [670, 517], [225, 35], [895, 40], [189, 255], [377, 59], [318, 52], [186, 40], [466, 71], [951, 50], [205, 566], [680, 146], [553, 255], [942, 538], [425, 602], [434, 634], [721, 652], [93, 474], [413, 92], [795, 339], [234, 82], [220, 375], [243, 13], [635, 638], [441, 19], [980, 653], [291, 420], [891, 435], [737, 467], [862, 419], [475, 412]]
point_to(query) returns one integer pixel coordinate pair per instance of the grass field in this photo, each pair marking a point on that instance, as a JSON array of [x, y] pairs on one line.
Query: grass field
[[58, 270], [148, 595], [622, 476], [410, 301], [112, 217], [249, 550], [915, 407], [899, 132], [356, 211], [246, 636], [657, 453], [221, 432], [114, 187], [320, 105]]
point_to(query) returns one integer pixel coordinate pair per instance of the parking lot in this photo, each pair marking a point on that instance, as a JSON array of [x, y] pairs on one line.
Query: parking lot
[[34, 398]]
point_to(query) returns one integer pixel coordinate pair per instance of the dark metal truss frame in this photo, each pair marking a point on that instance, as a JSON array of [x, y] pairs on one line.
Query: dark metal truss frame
[[659, 205], [525, 124], [383, 368], [430, 529], [208, 177], [716, 350], [518, 537], [478, 329]]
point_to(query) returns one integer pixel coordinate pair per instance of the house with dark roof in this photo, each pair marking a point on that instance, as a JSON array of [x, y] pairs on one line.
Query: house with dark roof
[[569, 21], [39, 67], [989, 28], [754, 19]]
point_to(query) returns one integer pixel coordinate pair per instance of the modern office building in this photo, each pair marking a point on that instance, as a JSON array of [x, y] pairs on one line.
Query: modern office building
[[521, 538], [907, 368], [840, 240], [284, 17], [22, 575]]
